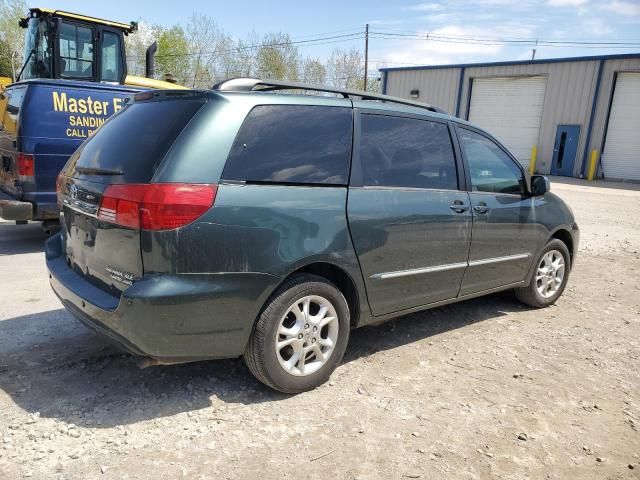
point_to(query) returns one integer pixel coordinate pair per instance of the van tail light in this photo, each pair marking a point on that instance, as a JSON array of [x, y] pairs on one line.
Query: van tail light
[[156, 206], [26, 165]]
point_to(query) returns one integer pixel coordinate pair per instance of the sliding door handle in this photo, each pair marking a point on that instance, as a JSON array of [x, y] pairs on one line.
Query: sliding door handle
[[458, 206], [481, 208]]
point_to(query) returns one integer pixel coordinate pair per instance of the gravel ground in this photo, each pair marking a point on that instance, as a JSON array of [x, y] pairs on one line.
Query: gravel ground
[[486, 388]]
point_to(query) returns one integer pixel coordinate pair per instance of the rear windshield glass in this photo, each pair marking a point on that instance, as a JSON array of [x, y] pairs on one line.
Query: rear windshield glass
[[130, 146], [292, 144]]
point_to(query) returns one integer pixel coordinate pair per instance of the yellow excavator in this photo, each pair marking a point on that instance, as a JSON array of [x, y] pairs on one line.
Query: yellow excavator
[[66, 45]]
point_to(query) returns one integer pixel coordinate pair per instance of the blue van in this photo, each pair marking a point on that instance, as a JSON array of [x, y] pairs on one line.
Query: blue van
[[42, 122]]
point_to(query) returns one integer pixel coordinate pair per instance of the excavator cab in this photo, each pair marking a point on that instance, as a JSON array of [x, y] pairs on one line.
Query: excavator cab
[[64, 45]]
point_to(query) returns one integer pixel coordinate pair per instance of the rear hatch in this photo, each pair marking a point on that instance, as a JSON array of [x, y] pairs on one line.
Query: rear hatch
[[108, 182]]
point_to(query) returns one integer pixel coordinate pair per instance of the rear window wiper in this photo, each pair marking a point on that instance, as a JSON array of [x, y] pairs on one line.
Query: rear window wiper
[[98, 171]]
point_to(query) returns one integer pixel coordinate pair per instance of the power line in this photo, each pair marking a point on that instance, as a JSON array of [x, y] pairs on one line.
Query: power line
[[306, 43], [503, 41], [429, 35]]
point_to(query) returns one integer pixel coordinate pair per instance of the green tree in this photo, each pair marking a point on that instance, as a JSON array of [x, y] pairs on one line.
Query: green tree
[[346, 68], [11, 34], [314, 72], [136, 45], [173, 54], [277, 58], [205, 40], [6, 69]]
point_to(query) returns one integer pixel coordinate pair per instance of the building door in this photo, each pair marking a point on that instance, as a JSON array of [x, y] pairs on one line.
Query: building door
[[565, 150], [510, 108], [621, 156]]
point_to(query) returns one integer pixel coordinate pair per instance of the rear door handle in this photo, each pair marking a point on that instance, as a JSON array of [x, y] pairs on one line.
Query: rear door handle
[[458, 206], [481, 208]]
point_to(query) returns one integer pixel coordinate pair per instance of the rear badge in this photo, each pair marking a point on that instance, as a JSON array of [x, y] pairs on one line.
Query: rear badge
[[118, 276]]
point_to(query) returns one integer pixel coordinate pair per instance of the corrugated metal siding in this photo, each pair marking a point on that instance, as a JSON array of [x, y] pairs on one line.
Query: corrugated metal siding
[[437, 87], [568, 99], [605, 96]]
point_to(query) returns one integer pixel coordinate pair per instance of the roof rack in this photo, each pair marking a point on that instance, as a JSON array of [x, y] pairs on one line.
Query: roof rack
[[248, 84]]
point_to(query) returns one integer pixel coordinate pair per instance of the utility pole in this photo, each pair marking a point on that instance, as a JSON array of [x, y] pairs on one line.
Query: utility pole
[[366, 56], [533, 54]]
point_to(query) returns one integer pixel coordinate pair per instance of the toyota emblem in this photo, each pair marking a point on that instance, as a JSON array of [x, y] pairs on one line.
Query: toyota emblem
[[73, 191]]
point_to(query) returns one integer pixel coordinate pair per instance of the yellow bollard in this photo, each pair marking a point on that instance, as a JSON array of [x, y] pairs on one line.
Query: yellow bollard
[[592, 165], [534, 157]]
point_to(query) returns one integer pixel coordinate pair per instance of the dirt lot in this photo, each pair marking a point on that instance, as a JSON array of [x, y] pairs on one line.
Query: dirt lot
[[482, 389]]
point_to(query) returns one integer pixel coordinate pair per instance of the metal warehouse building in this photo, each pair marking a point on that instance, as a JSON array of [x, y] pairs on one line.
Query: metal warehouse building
[[566, 108]]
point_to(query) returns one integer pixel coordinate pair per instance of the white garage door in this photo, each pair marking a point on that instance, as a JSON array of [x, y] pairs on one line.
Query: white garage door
[[511, 110], [621, 156]]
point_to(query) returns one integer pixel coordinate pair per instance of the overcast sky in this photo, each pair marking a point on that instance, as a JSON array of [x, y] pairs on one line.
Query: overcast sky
[[550, 20]]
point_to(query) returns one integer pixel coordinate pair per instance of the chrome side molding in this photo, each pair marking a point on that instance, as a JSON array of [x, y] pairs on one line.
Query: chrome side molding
[[450, 266]]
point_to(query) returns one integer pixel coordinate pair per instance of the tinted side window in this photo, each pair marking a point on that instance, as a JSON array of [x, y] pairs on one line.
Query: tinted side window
[[111, 58], [491, 169], [76, 51], [292, 144], [404, 152]]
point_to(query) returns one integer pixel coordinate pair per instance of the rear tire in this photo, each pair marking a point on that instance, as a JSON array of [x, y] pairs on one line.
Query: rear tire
[[301, 335], [550, 276]]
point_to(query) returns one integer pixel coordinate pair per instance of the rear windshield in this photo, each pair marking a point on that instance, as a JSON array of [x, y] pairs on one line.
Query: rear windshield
[[130, 146]]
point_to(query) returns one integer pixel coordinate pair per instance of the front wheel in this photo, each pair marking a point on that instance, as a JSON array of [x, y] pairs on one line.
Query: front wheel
[[549, 278], [300, 336]]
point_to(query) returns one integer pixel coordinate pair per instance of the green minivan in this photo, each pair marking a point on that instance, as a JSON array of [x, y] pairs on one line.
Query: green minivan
[[259, 220]]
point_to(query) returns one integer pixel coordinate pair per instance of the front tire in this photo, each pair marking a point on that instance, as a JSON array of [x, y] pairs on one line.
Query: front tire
[[301, 335], [550, 276]]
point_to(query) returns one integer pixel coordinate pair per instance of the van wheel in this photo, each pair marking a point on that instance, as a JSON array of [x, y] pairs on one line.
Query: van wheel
[[549, 278], [300, 336]]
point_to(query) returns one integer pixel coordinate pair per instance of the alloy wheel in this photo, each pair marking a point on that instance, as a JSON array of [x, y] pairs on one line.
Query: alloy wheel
[[550, 274], [307, 335]]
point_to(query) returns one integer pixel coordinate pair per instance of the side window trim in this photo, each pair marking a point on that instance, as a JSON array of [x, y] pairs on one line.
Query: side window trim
[[464, 176], [356, 179], [467, 170]]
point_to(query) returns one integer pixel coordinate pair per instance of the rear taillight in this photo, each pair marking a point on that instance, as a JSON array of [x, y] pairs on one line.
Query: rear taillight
[[157, 206], [26, 165]]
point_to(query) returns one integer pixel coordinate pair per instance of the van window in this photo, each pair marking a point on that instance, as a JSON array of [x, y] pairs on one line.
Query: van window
[[492, 170], [111, 58], [292, 144], [12, 104], [406, 152], [76, 51], [130, 146]]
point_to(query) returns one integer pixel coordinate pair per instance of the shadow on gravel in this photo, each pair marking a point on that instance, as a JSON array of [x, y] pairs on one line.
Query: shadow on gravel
[[15, 239], [53, 365]]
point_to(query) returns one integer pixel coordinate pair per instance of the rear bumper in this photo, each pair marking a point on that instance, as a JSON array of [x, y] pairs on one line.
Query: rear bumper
[[18, 210], [171, 318], [15, 210]]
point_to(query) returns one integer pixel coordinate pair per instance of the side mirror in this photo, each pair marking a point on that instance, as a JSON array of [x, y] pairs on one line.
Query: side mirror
[[539, 185]]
